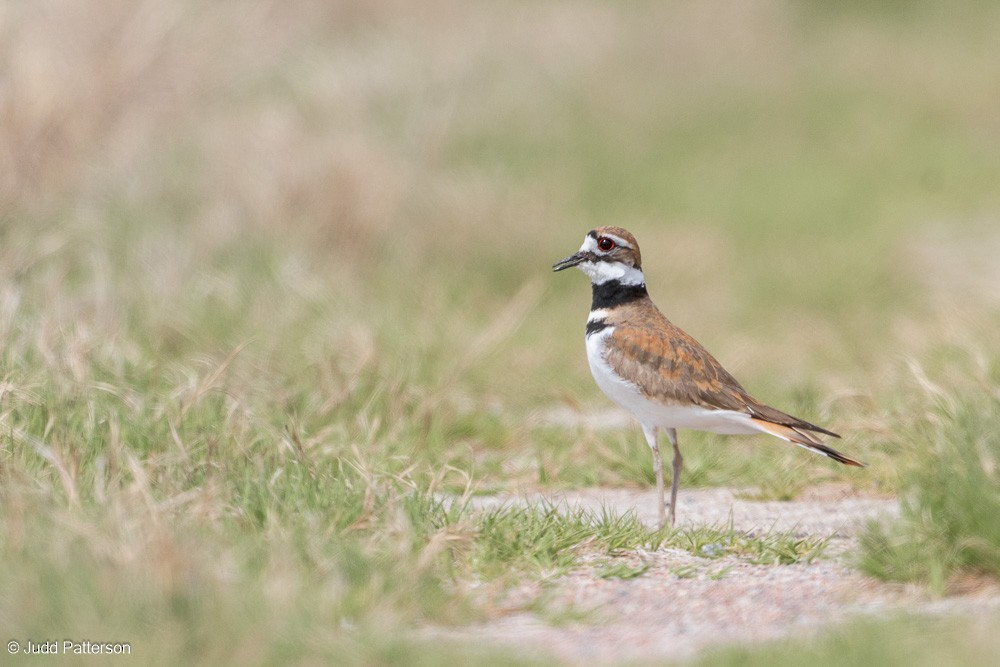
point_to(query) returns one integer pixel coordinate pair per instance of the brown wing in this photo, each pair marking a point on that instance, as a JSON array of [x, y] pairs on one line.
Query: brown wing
[[671, 366]]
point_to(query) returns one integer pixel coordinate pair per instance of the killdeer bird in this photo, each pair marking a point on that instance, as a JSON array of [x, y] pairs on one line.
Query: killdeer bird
[[663, 376]]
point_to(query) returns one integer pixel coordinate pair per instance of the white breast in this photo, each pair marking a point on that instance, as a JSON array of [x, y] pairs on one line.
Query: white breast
[[654, 413]]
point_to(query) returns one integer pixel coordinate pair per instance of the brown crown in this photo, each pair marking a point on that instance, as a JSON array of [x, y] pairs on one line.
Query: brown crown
[[628, 255]]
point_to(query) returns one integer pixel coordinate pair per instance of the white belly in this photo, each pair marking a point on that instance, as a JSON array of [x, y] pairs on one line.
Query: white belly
[[653, 413]]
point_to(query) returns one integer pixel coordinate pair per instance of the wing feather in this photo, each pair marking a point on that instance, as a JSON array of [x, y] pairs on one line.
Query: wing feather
[[669, 365]]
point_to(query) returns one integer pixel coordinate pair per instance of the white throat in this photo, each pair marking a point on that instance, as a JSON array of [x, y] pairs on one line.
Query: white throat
[[602, 272]]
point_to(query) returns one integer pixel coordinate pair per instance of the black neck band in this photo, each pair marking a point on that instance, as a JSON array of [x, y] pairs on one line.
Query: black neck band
[[613, 293]]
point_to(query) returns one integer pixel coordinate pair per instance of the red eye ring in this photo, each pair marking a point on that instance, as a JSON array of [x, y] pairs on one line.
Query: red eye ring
[[605, 244]]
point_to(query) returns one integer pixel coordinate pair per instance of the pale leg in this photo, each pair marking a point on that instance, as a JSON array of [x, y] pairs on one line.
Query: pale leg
[[675, 483], [651, 434]]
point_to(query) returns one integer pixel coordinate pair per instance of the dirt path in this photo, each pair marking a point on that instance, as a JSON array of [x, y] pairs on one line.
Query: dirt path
[[683, 603]]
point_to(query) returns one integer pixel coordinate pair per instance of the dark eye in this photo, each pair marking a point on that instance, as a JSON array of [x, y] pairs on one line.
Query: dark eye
[[605, 244]]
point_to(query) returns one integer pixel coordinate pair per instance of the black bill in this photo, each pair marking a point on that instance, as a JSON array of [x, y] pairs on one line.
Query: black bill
[[569, 262]]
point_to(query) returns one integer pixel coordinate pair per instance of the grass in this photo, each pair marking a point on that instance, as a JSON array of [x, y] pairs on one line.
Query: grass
[[274, 281], [905, 641], [950, 487], [769, 548], [550, 540]]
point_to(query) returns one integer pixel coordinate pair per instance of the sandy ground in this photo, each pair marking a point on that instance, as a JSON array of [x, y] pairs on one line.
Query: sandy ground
[[683, 604]]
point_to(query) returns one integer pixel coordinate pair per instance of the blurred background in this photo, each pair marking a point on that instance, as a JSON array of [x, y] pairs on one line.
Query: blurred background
[[351, 208], [327, 227], [366, 197], [809, 181]]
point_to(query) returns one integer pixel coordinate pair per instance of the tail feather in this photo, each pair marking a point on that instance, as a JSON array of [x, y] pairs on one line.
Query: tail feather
[[804, 439]]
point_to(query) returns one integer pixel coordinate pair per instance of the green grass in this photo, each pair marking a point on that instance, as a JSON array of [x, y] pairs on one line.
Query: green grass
[[548, 540], [950, 486], [767, 548], [904, 641], [274, 282]]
